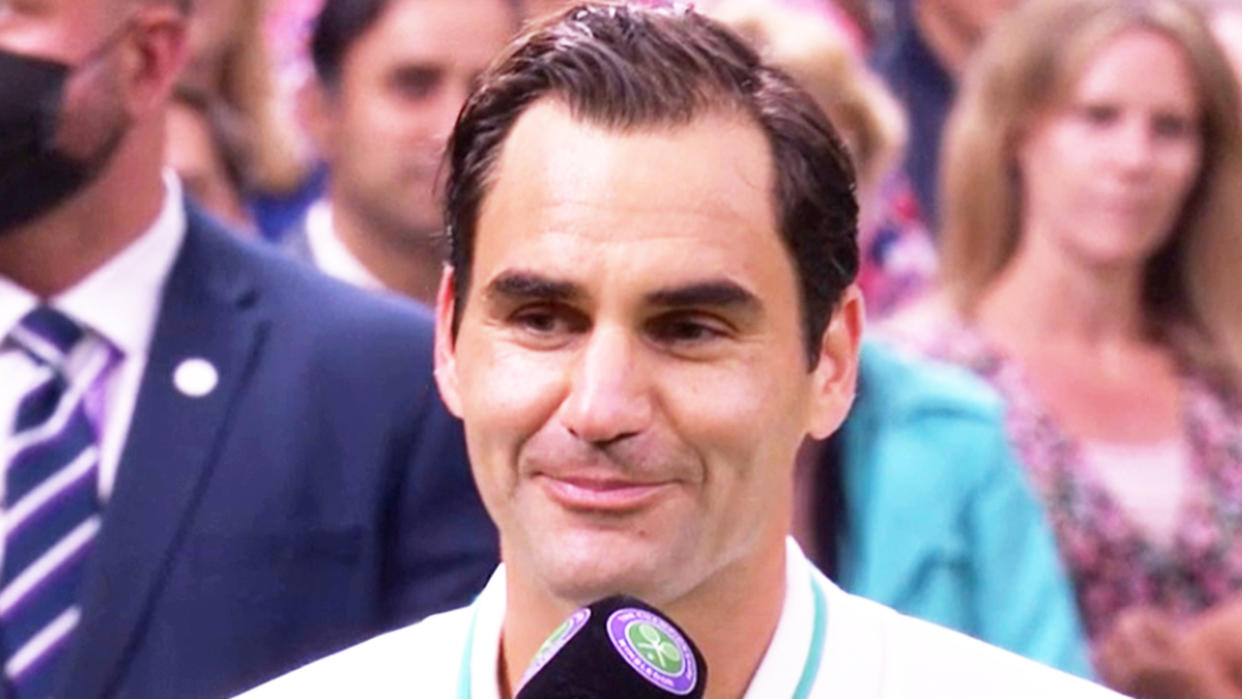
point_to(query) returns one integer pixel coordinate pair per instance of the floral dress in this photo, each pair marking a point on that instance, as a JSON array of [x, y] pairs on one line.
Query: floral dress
[[1114, 565]]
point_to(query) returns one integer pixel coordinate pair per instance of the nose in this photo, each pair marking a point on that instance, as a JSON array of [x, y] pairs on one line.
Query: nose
[[1135, 146], [609, 393]]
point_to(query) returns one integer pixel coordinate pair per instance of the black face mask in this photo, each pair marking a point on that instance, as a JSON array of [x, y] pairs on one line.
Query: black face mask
[[35, 175]]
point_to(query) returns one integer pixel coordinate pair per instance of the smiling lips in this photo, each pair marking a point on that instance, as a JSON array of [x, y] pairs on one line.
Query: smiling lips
[[601, 493]]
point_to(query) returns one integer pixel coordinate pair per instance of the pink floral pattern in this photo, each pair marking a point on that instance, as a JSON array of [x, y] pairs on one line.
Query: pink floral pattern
[[1114, 566], [898, 256]]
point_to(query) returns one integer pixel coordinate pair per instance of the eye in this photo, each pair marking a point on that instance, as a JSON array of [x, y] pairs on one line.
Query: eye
[[1171, 126], [417, 82], [548, 324], [1098, 114], [681, 329]]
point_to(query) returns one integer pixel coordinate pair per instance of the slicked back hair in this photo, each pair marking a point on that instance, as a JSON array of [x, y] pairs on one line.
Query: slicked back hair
[[626, 67]]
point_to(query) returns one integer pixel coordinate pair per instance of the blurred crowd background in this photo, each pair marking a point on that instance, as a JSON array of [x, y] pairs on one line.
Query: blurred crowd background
[[1048, 193]]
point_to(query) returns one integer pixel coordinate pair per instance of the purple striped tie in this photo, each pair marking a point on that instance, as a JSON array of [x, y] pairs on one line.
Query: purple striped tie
[[51, 510]]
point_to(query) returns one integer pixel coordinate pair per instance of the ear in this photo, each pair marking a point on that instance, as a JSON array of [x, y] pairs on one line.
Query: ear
[[446, 350], [835, 376], [317, 112], [154, 57]]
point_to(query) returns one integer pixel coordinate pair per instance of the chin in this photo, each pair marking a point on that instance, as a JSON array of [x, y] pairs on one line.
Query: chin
[[583, 569]]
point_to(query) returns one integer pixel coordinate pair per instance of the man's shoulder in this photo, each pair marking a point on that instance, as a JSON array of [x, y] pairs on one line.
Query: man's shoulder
[[423, 659], [296, 293], [872, 650]]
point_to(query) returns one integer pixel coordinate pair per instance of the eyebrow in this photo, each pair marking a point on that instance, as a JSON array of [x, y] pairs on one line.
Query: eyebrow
[[530, 286], [718, 293]]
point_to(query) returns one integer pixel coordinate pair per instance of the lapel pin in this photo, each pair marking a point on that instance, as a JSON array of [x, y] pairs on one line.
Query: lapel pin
[[196, 377]]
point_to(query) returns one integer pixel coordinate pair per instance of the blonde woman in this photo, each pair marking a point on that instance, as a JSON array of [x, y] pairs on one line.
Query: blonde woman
[[1090, 258], [231, 69]]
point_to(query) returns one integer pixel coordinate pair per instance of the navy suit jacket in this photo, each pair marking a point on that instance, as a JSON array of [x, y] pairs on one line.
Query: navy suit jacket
[[320, 494]]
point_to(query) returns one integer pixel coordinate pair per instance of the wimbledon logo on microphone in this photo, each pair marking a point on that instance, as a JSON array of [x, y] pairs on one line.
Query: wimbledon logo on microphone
[[556, 641], [654, 649]]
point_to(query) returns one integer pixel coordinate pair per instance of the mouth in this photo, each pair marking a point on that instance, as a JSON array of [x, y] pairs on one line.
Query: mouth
[[602, 495]]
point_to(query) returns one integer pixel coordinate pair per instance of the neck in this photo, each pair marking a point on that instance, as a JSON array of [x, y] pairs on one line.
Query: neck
[[1105, 307], [731, 617], [407, 262], [950, 38], [65, 245]]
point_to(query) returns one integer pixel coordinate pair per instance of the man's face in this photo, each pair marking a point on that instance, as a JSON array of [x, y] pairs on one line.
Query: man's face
[[70, 32], [630, 363], [402, 83]]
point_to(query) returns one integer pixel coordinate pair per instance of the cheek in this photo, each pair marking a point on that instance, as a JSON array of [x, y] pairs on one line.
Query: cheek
[[736, 415], [1051, 154], [373, 116], [1051, 178], [1185, 168], [509, 393]]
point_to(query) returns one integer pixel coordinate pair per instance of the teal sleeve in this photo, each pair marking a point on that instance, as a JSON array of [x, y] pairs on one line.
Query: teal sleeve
[[1016, 568]]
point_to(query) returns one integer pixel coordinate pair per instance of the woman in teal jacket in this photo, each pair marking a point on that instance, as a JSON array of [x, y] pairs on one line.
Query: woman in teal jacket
[[920, 505]]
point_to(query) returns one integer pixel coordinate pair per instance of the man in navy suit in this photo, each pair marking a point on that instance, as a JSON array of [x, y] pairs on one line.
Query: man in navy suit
[[216, 464]]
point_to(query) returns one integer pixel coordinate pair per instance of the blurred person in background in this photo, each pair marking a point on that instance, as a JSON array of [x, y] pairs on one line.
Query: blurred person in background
[[898, 257], [231, 68], [921, 67], [207, 147], [1089, 268], [390, 77], [216, 464], [918, 502]]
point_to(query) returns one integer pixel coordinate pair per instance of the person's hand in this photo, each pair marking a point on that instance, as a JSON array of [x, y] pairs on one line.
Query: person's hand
[[1144, 655], [1214, 636]]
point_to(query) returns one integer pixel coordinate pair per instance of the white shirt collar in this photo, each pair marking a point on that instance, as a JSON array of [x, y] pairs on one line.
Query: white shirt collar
[[787, 654], [120, 299], [15, 303], [331, 255], [777, 676], [489, 611]]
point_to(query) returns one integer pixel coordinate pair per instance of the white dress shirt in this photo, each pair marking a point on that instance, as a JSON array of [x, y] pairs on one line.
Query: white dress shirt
[[118, 302], [828, 643], [331, 255]]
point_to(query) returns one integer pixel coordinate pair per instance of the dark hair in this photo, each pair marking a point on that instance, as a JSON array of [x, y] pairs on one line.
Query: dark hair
[[623, 67], [339, 24]]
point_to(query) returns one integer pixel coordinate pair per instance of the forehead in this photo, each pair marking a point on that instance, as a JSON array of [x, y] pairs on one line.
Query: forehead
[[436, 31], [574, 196], [1138, 65], [57, 28]]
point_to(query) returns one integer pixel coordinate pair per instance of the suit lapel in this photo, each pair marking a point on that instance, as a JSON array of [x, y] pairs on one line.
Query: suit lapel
[[209, 318]]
